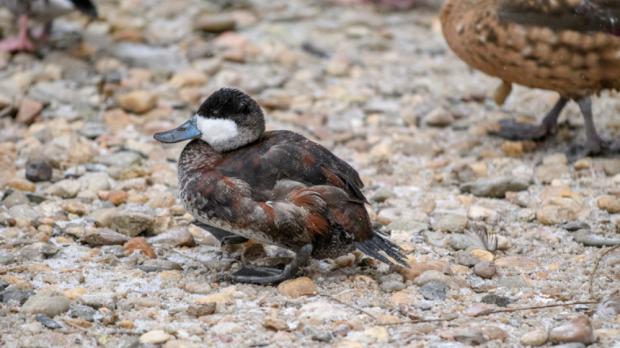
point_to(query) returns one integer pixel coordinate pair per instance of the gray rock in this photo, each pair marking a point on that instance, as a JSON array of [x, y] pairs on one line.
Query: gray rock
[[588, 238], [485, 269], [15, 198], [199, 310], [218, 23], [434, 290], [158, 265], [497, 300], [48, 303], [38, 170], [122, 159], [535, 338], [495, 187], [38, 250], [175, 237], [462, 241], [95, 182], [64, 189], [131, 222], [392, 286], [47, 322], [83, 312], [103, 236], [23, 212], [105, 299], [13, 295], [449, 222], [3, 285], [465, 258]]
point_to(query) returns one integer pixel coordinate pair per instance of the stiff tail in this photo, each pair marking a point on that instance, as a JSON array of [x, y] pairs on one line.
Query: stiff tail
[[377, 244]]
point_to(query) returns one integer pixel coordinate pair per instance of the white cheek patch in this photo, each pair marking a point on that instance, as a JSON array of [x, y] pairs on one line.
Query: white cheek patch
[[217, 130]]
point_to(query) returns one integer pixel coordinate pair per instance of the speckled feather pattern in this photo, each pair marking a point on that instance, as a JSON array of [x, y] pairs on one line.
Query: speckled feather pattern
[[568, 46], [282, 189]]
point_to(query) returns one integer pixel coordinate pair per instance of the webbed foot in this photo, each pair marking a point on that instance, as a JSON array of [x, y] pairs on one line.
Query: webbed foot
[[268, 275], [512, 130]]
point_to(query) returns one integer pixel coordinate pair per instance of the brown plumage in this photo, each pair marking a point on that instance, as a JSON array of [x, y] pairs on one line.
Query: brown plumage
[[568, 46], [273, 187]]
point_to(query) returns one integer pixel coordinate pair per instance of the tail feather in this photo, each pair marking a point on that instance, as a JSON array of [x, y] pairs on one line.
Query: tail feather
[[377, 244]]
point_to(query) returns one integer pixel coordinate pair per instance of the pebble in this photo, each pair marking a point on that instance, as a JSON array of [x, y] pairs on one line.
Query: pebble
[[47, 322], [138, 102], [117, 197], [215, 23], [439, 117], [28, 110], [485, 269], [158, 265], [199, 310], [535, 338], [495, 187], [610, 204], [14, 295], [141, 245], [65, 188], [434, 290], [131, 222], [578, 329], [154, 337], [99, 300], [175, 237], [38, 170], [501, 301], [103, 236], [298, 287], [449, 222], [83, 312], [47, 302], [392, 285], [181, 344], [611, 166]]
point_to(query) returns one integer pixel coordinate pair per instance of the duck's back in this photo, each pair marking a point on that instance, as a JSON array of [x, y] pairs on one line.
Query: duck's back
[[571, 47]]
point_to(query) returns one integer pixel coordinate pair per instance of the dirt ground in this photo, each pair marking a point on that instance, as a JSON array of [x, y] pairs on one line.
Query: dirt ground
[[490, 227]]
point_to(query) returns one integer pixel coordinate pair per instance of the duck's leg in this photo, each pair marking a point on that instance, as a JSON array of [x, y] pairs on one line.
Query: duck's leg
[[266, 276], [509, 129], [20, 43], [225, 237], [594, 143]]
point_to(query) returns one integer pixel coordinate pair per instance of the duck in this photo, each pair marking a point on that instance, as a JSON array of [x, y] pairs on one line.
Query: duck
[[571, 47], [277, 187], [44, 11]]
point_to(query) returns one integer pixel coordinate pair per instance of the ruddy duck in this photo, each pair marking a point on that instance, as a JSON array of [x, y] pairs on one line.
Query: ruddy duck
[[274, 187]]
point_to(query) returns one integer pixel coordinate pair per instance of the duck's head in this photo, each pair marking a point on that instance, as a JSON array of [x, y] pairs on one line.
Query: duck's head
[[227, 120]]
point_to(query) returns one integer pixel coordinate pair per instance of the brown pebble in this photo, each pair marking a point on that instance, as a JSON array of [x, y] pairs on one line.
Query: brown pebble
[[295, 288], [579, 329], [139, 244], [117, 197], [485, 269]]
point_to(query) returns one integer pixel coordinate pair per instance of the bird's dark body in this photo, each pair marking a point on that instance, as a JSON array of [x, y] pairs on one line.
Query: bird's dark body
[[282, 189]]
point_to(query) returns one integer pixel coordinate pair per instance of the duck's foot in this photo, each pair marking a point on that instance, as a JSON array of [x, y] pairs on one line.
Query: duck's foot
[[267, 275], [22, 42], [225, 237], [595, 145], [512, 130]]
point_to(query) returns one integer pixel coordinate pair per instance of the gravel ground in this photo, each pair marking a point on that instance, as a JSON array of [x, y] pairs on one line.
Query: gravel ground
[[95, 250]]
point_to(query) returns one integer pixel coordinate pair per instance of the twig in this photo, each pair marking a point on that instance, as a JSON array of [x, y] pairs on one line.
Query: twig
[[348, 305], [493, 311], [595, 268]]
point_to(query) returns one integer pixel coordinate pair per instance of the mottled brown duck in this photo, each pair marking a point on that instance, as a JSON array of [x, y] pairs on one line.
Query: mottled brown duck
[[571, 47]]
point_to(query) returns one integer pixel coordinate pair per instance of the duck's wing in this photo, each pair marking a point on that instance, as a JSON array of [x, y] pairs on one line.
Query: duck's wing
[[284, 155], [85, 6], [581, 16]]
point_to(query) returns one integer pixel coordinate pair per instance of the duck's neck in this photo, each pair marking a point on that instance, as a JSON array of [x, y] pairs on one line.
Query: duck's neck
[[197, 155]]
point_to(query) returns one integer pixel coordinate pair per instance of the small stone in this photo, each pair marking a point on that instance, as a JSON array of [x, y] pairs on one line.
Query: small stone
[[609, 203], [218, 23], [497, 300], [482, 255], [181, 344], [174, 237], [158, 265], [83, 312], [535, 338], [199, 310], [555, 215], [495, 187], [226, 328], [99, 300], [21, 185], [611, 166], [74, 293], [103, 236], [513, 148], [275, 324], [117, 197], [131, 222], [431, 275], [47, 322], [295, 288], [439, 117], [14, 295], [138, 102], [154, 337], [48, 303], [434, 290], [139, 244], [485, 269], [74, 207], [415, 269], [392, 285], [449, 222], [28, 110], [188, 78], [578, 329], [65, 189]]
